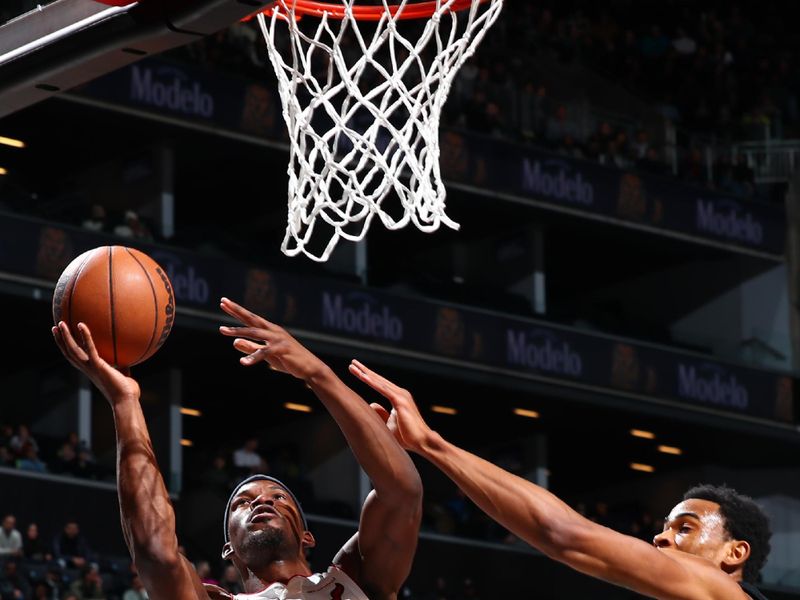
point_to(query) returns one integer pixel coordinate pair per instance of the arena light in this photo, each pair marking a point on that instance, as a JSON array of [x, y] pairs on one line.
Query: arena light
[[7, 141], [642, 467], [3, 171], [444, 410], [641, 433], [297, 407], [191, 412], [524, 412], [187, 443], [670, 450]]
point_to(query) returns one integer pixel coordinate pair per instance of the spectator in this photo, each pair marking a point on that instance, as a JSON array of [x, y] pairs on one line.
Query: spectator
[[79, 445], [97, 219], [10, 538], [247, 460], [22, 437], [65, 459], [133, 227], [33, 548], [136, 591], [13, 585], [30, 461], [54, 583], [70, 548], [89, 585], [683, 44], [42, 592]]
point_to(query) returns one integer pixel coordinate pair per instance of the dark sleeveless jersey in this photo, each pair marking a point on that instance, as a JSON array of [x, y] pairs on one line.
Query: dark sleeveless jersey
[[752, 591]]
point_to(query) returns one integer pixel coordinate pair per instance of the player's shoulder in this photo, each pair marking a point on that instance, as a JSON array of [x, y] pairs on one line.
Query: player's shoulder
[[707, 576]]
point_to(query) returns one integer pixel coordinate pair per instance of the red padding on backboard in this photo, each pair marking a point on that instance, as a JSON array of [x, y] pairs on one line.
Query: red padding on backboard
[[116, 2]]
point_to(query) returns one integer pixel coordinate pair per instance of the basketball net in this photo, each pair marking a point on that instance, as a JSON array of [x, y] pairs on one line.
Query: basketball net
[[362, 103]]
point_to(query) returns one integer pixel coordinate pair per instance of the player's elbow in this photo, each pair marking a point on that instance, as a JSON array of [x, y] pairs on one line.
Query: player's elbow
[[561, 538], [156, 557], [409, 492]]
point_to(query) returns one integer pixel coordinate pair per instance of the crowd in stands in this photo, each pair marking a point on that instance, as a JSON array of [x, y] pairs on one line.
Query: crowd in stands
[[716, 72], [67, 569], [61, 567], [70, 456]]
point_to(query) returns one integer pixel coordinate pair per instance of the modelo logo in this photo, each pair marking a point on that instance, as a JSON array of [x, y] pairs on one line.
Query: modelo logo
[[555, 179], [170, 88], [362, 314], [724, 219], [542, 350], [711, 384], [186, 283]]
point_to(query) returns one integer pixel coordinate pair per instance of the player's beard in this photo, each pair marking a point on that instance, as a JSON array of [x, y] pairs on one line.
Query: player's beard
[[263, 546]]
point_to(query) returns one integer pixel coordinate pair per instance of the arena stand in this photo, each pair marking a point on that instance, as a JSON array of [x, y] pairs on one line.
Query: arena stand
[[597, 288]]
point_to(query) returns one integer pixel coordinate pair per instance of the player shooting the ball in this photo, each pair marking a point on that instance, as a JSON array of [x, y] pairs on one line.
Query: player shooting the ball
[[266, 531]]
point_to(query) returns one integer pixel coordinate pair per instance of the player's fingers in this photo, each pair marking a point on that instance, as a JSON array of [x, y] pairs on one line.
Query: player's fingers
[[61, 343], [380, 411], [73, 349], [88, 342]]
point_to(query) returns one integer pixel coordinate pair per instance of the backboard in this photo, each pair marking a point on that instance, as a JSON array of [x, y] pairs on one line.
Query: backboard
[[51, 46]]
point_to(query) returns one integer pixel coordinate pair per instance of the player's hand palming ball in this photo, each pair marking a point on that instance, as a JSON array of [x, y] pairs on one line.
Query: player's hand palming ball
[[123, 296]]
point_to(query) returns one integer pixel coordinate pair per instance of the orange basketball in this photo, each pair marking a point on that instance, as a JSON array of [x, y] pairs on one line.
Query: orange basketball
[[124, 298]]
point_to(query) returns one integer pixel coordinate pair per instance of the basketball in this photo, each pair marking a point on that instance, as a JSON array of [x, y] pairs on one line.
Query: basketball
[[123, 296]]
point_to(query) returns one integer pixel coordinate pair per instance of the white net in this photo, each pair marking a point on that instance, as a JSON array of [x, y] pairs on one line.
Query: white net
[[362, 101]]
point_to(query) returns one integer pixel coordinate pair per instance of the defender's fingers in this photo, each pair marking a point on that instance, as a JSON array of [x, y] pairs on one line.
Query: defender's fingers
[[375, 377], [380, 411], [253, 358], [373, 382], [247, 346], [239, 312], [259, 333]]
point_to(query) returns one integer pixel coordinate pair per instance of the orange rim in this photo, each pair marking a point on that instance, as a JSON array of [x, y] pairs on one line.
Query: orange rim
[[417, 10]]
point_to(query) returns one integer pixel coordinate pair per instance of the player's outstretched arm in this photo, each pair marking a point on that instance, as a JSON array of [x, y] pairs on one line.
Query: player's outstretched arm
[[148, 520], [546, 522], [379, 558]]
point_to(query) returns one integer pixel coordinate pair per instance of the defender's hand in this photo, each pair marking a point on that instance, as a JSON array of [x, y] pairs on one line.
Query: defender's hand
[[405, 420]]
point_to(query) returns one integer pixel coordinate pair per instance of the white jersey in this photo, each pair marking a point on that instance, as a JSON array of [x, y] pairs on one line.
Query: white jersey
[[332, 585]]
